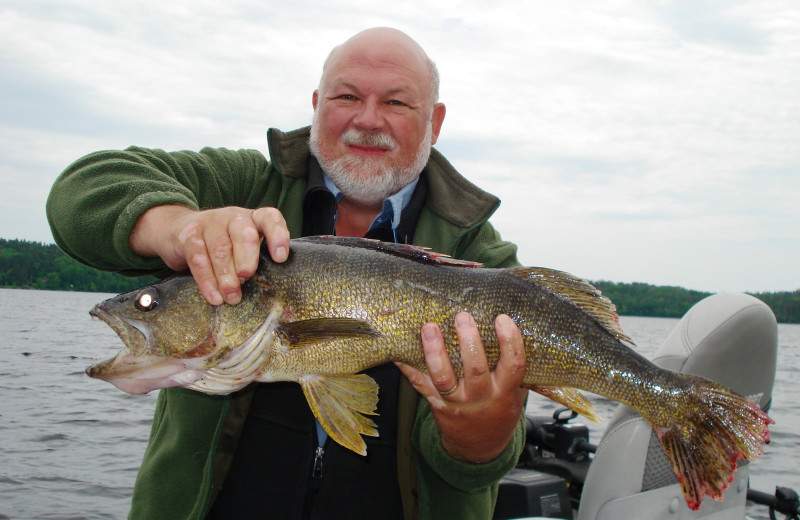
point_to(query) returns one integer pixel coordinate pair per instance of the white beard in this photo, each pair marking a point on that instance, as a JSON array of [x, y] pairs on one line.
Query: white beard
[[364, 179]]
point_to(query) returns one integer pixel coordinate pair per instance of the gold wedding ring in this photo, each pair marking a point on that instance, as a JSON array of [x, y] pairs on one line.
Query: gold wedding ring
[[449, 392]]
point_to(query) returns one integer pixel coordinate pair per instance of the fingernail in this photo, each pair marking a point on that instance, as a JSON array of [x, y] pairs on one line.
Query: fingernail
[[215, 298], [280, 254], [429, 332], [233, 297], [463, 319], [504, 322]]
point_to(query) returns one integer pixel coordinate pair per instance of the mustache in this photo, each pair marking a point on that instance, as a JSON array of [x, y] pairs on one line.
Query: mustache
[[360, 138]]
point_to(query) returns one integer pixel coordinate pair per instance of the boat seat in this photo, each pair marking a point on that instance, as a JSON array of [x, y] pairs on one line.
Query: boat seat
[[729, 338]]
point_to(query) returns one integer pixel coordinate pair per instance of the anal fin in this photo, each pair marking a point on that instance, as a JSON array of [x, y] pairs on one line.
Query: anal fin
[[570, 398], [340, 405]]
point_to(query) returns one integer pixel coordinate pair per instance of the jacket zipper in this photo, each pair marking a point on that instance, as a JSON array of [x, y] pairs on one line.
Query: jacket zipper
[[315, 483], [316, 471]]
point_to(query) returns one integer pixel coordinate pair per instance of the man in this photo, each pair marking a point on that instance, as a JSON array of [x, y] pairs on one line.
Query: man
[[370, 171]]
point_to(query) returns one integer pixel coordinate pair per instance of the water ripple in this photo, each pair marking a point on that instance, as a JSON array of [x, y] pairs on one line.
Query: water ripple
[[75, 444]]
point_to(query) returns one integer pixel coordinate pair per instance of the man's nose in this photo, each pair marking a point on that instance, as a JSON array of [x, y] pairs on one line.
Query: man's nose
[[369, 116]]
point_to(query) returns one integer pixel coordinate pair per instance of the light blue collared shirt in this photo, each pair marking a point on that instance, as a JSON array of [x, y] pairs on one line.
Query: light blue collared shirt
[[392, 207]]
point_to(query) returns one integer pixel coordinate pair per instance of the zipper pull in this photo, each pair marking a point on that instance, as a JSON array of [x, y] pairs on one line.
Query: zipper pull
[[317, 471]]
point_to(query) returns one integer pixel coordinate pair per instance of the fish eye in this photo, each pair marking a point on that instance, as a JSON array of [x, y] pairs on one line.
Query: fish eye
[[147, 299]]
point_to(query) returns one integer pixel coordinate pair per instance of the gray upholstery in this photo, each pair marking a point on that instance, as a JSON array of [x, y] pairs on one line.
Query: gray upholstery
[[729, 338]]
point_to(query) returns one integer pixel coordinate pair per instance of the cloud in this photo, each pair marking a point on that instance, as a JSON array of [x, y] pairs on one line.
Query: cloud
[[715, 22], [628, 141]]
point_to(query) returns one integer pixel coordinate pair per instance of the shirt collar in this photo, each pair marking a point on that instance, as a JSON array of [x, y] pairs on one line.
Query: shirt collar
[[392, 207]]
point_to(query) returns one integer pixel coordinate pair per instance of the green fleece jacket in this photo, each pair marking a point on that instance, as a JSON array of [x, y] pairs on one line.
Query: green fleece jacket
[[92, 209]]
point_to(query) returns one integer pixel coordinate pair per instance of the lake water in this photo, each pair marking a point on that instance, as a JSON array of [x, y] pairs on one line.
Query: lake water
[[70, 446]]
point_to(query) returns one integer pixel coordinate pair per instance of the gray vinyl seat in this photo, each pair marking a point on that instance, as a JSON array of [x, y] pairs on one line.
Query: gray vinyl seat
[[729, 338]]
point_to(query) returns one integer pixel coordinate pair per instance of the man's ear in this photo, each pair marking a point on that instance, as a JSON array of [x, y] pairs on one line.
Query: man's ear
[[315, 99], [436, 121]]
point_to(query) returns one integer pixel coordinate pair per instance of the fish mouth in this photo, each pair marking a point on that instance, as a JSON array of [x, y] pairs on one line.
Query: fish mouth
[[137, 371], [136, 335], [134, 370], [143, 374]]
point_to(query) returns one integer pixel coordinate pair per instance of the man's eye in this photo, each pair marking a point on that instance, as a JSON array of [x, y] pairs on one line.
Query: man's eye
[[348, 97], [396, 102]]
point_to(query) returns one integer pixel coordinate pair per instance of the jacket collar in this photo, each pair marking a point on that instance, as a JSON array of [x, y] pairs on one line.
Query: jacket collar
[[450, 195]]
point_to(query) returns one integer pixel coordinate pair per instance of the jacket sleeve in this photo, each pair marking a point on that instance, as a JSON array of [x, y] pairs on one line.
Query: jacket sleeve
[[464, 476], [484, 244], [95, 203]]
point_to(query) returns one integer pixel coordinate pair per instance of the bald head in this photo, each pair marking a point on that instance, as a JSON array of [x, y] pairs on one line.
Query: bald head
[[381, 45], [375, 115]]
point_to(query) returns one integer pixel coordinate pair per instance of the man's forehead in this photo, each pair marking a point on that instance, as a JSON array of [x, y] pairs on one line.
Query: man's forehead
[[378, 53], [386, 60], [386, 85]]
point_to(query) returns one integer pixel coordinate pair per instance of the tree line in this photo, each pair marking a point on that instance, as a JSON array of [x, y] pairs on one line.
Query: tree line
[[33, 265], [641, 299]]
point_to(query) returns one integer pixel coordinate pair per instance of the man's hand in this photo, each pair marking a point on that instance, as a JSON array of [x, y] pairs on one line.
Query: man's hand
[[477, 415], [219, 246]]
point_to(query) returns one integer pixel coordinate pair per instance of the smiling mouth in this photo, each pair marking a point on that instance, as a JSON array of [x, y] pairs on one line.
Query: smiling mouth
[[368, 143], [367, 150]]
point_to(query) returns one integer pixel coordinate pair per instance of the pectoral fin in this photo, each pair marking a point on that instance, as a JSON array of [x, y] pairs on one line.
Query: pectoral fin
[[303, 332], [339, 404], [570, 398]]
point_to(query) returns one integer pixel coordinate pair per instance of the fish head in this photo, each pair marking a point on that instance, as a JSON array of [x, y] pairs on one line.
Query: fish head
[[172, 335]]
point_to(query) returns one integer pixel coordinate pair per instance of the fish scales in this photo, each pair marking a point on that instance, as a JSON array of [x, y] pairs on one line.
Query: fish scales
[[338, 306], [390, 294], [398, 296]]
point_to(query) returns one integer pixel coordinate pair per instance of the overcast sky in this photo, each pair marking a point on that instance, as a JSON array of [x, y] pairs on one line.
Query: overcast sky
[[655, 142]]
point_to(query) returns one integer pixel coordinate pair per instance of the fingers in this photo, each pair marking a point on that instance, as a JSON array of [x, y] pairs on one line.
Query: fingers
[[477, 375], [479, 380], [191, 246], [245, 243], [491, 398], [221, 247], [418, 379], [271, 224], [440, 369], [510, 369], [222, 239], [233, 240]]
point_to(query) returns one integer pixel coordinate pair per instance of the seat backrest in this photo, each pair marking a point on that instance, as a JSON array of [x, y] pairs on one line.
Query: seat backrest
[[729, 338]]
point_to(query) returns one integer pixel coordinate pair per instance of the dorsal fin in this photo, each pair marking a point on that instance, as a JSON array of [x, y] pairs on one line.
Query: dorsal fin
[[419, 254], [580, 293]]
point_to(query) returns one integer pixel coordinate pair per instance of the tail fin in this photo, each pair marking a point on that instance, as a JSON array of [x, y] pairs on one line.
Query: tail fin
[[716, 429]]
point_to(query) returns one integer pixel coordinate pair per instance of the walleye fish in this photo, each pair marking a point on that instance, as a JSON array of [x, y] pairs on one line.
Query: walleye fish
[[339, 306]]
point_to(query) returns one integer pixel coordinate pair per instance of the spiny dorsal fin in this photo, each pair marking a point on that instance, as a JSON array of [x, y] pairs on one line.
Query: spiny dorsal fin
[[581, 293], [419, 254], [299, 333]]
